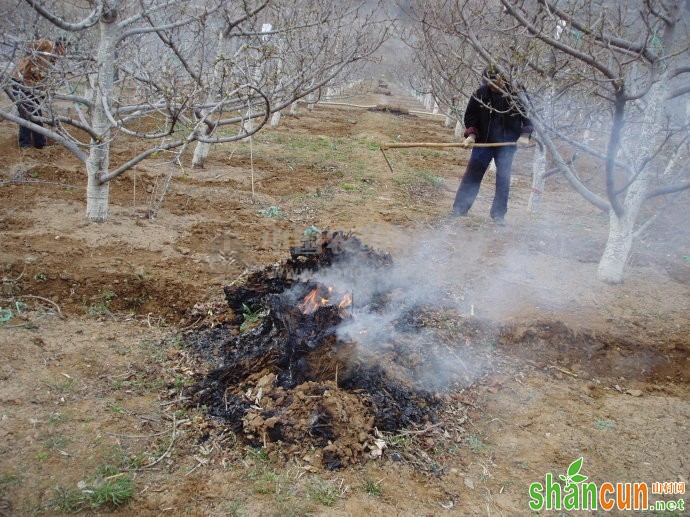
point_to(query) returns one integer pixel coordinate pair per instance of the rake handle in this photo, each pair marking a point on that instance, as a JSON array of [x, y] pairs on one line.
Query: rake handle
[[403, 145]]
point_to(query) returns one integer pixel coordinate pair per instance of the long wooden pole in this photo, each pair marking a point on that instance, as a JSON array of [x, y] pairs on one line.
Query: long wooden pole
[[404, 145]]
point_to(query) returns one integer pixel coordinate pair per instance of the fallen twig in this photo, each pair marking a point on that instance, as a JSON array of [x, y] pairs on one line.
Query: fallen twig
[[171, 402], [60, 315], [421, 431], [568, 372], [172, 441]]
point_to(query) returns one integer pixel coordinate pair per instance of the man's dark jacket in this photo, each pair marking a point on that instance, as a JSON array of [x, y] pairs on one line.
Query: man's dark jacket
[[493, 117]]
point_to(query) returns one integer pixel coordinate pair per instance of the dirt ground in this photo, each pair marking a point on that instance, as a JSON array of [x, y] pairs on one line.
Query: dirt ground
[[555, 365]]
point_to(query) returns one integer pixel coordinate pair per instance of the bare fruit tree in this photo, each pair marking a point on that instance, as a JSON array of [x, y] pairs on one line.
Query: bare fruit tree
[[169, 73], [608, 80], [291, 50]]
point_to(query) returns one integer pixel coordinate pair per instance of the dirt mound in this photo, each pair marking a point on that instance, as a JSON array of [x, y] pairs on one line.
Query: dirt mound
[[289, 379], [392, 109]]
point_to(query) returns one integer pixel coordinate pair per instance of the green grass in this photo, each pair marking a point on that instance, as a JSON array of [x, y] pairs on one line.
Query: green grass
[[7, 481], [603, 424], [56, 442], [400, 440], [100, 306], [323, 492], [252, 317], [113, 491], [372, 488], [477, 445], [436, 182]]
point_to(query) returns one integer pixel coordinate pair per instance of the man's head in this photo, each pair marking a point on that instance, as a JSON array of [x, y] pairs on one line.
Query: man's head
[[494, 78]]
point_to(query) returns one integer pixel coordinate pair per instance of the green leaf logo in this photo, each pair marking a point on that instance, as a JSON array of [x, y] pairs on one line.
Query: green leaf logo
[[575, 467], [573, 475]]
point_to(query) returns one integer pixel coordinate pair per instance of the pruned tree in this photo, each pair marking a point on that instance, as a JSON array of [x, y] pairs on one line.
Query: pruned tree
[[602, 79], [286, 49], [168, 73]]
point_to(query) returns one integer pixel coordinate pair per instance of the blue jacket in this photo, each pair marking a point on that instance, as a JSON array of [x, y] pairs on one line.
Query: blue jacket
[[493, 117]]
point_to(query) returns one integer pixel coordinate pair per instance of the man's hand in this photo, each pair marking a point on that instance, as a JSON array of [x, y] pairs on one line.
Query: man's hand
[[469, 140], [523, 141]]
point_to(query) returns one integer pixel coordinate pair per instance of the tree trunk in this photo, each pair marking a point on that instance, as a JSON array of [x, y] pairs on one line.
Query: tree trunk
[[458, 129], [202, 149], [617, 249], [275, 119], [621, 232], [98, 161], [293, 109], [622, 225], [538, 178]]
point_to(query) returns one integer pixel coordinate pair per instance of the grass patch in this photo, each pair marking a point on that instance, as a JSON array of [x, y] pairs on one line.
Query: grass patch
[[100, 305], [436, 182], [603, 424], [323, 492], [56, 442], [7, 481], [252, 317], [113, 491], [372, 488], [477, 445]]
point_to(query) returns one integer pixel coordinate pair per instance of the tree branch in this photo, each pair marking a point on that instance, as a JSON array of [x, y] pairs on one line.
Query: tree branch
[[89, 21], [68, 144]]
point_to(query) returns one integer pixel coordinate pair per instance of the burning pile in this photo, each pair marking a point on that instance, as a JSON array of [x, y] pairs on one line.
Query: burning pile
[[290, 381]]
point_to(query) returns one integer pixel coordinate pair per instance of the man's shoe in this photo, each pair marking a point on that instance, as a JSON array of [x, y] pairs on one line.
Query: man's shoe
[[499, 219], [455, 213]]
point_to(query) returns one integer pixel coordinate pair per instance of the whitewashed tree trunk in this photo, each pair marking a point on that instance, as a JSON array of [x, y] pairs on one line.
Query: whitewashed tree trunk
[[458, 129], [448, 121], [275, 119], [436, 108], [539, 158], [538, 178], [622, 226], [620, 239], [293, 109], [311, 100], [202, 149], [98, 161]]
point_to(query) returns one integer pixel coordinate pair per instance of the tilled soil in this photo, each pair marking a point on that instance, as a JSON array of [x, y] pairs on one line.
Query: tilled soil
[[532, 361]]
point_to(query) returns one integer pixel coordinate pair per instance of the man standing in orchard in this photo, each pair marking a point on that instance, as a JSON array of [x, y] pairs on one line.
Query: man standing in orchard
[[28, 86], [493, 116]]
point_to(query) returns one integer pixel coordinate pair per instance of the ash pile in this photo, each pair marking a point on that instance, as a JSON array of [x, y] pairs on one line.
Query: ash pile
[[305, 366]]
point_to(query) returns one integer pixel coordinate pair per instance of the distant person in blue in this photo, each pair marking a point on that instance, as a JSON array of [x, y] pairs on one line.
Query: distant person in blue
[[493, 115]]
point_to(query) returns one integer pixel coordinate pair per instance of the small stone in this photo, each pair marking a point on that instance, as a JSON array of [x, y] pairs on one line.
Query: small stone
[[635, 393]]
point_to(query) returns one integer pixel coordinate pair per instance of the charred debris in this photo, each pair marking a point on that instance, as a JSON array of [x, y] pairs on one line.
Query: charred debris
[[283, 379]]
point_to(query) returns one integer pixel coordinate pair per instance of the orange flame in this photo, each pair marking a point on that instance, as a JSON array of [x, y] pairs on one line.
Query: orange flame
[[322, 296], [345, 302]]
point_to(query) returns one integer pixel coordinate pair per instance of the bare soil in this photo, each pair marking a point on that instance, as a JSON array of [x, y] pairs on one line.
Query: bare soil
[[544, 363]]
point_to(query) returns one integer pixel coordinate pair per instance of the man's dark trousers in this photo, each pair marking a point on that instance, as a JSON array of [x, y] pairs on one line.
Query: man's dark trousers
[[28, 105], [476, 168]]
